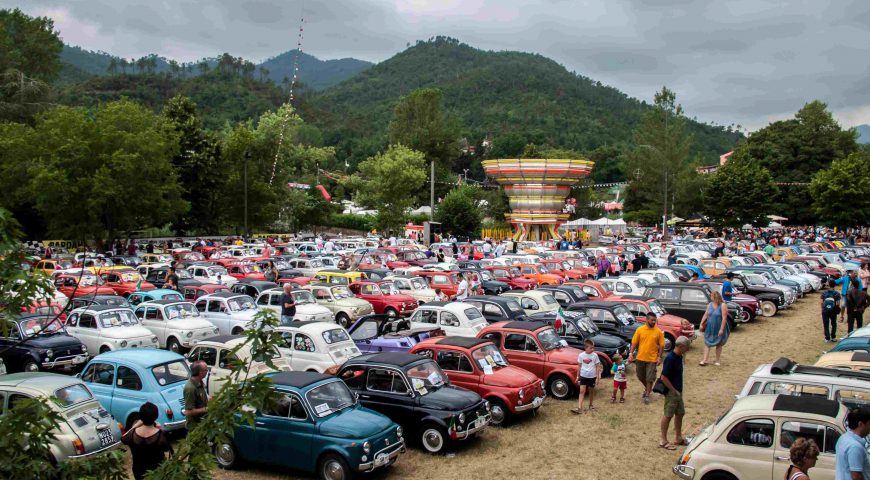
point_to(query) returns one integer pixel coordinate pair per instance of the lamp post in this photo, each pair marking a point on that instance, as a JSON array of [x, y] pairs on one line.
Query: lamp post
[[247, 157]]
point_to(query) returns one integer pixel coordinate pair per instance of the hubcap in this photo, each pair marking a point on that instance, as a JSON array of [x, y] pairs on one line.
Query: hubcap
[[32, 367], [559, 388], [497, 413], [391, 313], [225, 455], [432, 440], [332, 470], [669, 344], [174, 347], [744, 316], [768, 309]]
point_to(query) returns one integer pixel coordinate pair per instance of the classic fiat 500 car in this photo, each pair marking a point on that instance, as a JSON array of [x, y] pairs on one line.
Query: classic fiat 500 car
[[536, 347], [413, 391], [136, 298], [212, 274], [385, 298], [415, 287], [157, 277], [307, 310], [446, 282], [565, 294], [314, 425], [125, 282], [786, 377], [125, 379], [750, 440], [193, 292], [576, 327], [672, 325], [534, 301], [382, 333], [217, 353], [86, 429], [177, 324], [316, 346], [540, 274], [47, 345], [496, 308], [512, 276], [592, 288], [341, 302], [252, 287], [75, 285], [104, 327], [858, 361], [115, 300], [230, 312], [245, 270], [611, 317], [338, 277], [477, 365], [454, 318]]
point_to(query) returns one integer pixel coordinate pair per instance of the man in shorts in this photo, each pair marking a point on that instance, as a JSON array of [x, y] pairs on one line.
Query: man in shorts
[[588, 375], [672, 377], [647, 346]]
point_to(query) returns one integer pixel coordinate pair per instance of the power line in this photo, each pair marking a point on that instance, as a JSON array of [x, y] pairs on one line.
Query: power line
[[286, 117]]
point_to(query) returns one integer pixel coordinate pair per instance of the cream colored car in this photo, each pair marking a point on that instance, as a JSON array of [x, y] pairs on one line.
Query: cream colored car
[[751, 441], [858, 361], [415, 287], [217, 353], [346, 307], [534, 301]]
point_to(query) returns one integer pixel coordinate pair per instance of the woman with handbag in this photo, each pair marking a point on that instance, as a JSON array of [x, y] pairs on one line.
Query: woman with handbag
[[714, 324]]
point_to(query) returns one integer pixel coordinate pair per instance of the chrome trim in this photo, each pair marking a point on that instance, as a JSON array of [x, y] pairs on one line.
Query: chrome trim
[[397, 447], [463, 435], [174, 425], [684, 471], [95, 452], [57, 362], [528, 406]]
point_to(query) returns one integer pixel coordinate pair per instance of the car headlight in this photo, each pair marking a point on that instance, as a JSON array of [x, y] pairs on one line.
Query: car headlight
[[49, 353], [367, 446], [399, 431], [84, 348], [153, 339], [543, 385], [521, 394], [355, 309], [123, 344], [189, 334], [216, 330], [462, 418]]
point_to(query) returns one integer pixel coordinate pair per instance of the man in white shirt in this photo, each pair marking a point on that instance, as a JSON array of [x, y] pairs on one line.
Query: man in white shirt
[[462, 291], [329, 246], [487, 249]]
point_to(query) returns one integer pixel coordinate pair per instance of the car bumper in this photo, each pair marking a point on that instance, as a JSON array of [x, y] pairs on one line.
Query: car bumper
[[383, 457], [472, 430], [684, 471], [175, 425], [537, 402], [65, 362], [95, 452]]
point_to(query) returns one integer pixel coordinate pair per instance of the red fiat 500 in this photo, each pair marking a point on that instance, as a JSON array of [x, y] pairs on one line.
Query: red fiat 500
[[476, 364], [512, 276], [385, 299]]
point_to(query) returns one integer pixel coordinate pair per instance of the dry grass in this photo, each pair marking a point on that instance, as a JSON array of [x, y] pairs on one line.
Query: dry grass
[[617, 440]]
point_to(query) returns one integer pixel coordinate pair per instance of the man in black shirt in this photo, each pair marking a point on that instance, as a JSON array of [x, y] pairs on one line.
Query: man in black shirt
[[288, 306], [636, 263], [171, 279], [644, 260]]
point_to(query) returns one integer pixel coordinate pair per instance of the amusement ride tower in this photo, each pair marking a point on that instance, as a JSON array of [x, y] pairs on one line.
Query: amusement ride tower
[[537, 189]]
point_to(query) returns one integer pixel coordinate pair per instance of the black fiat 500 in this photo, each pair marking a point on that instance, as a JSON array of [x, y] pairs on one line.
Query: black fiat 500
[[36, 343], [414, 392]]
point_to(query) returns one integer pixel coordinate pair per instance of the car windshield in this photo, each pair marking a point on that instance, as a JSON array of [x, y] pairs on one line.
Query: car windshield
[[71, 395], [118, 318], [181, 310], [130, 277], [335, 335], [340, 292], [586, 324], [624, 315], [389, 288], [606, 287], [549, 299], [171, 373], [426, 376], [90, 280], [419, 283], [315, 264], [657, 308], [565, 265], [272, 353], [243, 302], [302, 297], [514, 306], [472, 314], [215, 271], [329, 398], [542, 269], [549, 339], [40, 326], [515, 272], [488, 355], [183, 274], [250, 268], [486, 276], [641, 282]]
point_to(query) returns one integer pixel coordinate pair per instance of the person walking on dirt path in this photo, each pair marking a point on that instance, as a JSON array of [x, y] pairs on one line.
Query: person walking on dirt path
[[845, 282], [714, 324], [647, 346], [672, 377], [588, 376], [856, 303]]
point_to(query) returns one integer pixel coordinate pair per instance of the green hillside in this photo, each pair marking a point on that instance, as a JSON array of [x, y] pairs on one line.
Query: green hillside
[[514, 98], [313, 72]]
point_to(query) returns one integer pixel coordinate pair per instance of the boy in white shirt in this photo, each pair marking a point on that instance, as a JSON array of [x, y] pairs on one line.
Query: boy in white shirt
[[588, 375]]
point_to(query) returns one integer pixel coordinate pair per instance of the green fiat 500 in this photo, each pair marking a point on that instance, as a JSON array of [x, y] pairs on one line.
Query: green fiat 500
[[315, 424]]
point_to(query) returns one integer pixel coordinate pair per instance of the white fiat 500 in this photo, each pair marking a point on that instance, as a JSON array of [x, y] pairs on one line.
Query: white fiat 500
[[231, 313], [217, 353], [177, 324], [455, 318], [103, 328], [316, 346], [307, 310]]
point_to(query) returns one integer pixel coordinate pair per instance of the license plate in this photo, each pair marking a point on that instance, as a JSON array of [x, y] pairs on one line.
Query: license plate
[[381, 459], [538, 401], [106, 438], [478, 423], [78, 359]]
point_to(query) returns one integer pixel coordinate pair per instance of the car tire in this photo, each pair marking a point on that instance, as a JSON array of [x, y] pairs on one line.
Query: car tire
[[719, 476], [238, 331], [669, 342], [173, 345], [391, 312], [343, 320], [433, 438], [499, 413], [30, 366], [333, 467], [105, 349], [606, 364], [130, 421], [226, 455], [745, 315], [768, 308], [560, 387]]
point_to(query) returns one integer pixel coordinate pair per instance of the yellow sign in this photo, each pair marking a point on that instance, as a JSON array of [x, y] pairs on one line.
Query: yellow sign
[[67, 244]]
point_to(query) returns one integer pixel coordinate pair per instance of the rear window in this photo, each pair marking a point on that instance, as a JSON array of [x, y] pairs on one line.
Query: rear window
[[472, 313], [336, 335], [170, 373], [74, 394]]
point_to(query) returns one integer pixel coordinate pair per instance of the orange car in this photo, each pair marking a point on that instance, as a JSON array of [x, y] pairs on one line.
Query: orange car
[[564, 269], [540, 274], [593, 288]]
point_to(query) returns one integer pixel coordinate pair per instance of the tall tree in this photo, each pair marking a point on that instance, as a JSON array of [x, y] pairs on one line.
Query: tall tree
[[29, 45], [388, 182], [841, 192], [459, 212], [662, 144], [739, 193]]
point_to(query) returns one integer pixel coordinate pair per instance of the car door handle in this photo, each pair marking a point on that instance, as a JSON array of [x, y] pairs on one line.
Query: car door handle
[[259, 424], [782, 459], [365, 396]]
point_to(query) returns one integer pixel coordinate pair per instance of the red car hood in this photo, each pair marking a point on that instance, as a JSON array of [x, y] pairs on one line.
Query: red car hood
[[672, 320], [509, 376], [564, 355], [742, 298], [400, 298]]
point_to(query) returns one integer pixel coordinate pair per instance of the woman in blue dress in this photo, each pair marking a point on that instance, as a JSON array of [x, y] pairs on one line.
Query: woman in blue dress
[[714, 324]]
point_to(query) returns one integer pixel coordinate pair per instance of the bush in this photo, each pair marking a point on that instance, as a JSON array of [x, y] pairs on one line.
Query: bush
[[351, 221]]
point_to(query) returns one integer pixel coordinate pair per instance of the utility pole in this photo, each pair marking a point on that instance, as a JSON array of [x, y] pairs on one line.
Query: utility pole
[[432, 191], [247, 157]]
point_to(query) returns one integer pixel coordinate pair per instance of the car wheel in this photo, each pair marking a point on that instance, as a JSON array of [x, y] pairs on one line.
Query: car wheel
[[130, 421], [669, 342], [499, 413], [238, 331], [30, 366], [173, 346], [433, 438], [333, 467], [719, 476], [105, 349], [560, 387], [391, 312], [606, 364], [768, 308], [225, 455], [745, 315], [343, 320]]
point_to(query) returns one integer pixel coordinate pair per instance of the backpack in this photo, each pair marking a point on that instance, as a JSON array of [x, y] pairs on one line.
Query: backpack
[[829, 305]]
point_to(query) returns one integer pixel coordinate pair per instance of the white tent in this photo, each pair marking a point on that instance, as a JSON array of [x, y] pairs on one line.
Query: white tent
[[580, 222]]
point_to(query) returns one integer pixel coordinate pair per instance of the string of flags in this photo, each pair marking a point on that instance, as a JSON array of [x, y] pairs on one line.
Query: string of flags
[[286, 117]]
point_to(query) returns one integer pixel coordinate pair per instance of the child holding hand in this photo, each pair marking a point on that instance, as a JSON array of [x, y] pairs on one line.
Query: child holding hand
[[620, 381]]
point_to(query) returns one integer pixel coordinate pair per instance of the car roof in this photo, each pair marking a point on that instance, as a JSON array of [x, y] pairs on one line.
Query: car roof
[[221, 338], [600, 303], [399, 359], [806, 404], [95, 307], [222, 295], [785, 369], [464, 342], [140, 356], [38, 380], [164, 301], [449, 306], [313, 325], [297, 379], [530, 326], [488, 298], [635, 297]]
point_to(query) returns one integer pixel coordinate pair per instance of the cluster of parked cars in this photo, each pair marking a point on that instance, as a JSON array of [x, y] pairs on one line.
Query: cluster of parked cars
[[381, 350]]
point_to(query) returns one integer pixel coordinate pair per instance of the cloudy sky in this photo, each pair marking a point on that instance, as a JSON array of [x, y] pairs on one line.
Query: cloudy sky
[[746, 62]]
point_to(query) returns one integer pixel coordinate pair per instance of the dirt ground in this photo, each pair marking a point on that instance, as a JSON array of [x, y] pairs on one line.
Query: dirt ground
[[617, 440]]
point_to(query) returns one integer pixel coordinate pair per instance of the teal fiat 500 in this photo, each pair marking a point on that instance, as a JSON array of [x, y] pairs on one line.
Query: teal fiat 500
[[315, 424]]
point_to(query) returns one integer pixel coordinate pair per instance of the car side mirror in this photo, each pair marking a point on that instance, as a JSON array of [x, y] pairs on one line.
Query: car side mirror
[[539, 351], [356, 396]]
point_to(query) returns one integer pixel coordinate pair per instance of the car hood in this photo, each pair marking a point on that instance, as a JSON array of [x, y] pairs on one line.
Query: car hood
[[509, 376], [351, 302], [672, 320], [449, 397], [606, 340], [356, 422], [400, 298], [53, 341], [496, 284], [133, 331], [564, 355], [189, 324], [311, 309]]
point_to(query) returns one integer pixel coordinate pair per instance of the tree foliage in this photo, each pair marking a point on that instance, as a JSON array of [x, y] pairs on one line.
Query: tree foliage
[[388, 182], [841, 192], [739, 193], [29, 45], [459, 212]]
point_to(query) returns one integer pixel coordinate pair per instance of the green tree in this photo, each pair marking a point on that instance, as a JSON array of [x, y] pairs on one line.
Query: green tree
[[388, 182], [688, 197], [662, 146], [459, 212], [739, 193], [841, 193], [29, 45]]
